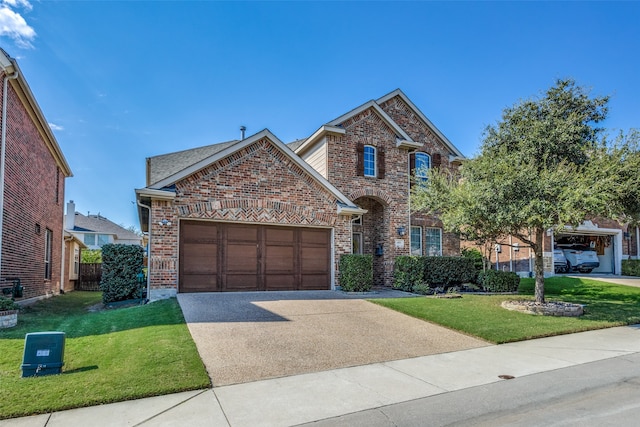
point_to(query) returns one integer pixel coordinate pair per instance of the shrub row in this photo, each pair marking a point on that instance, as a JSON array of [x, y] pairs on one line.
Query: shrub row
[[631, 267], [446, 271], [356, 273], [120, 267]]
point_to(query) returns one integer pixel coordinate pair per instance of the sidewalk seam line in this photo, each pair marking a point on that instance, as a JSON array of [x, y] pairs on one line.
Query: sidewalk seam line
[[169, 408]]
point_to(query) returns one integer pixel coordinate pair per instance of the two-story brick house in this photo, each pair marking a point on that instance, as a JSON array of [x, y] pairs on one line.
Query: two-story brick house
[[32, 177], [256, 214]]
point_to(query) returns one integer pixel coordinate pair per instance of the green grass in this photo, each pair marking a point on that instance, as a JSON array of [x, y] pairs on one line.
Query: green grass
[[110, 356], [606, 305]]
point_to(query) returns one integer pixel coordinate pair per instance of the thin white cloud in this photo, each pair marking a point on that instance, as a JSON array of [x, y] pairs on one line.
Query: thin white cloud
[[54, 126], [19, 3], [13, 25]]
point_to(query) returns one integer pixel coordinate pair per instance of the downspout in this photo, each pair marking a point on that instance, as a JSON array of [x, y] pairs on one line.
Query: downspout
[[3, 153], [637, 242], [148, 250]]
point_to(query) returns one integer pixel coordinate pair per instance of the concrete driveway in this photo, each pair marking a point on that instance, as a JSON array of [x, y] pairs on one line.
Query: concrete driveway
[[243, 337]]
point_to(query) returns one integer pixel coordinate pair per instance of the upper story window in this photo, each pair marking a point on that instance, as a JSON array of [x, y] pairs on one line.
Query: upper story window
[[369, 161], [422, 165], [96, 239]]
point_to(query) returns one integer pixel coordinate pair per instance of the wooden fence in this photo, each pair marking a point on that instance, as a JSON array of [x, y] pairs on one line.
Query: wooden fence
[[89, 277]]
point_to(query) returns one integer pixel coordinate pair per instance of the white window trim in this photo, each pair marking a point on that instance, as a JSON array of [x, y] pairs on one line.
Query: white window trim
[[375, 161], [411, 240], [440, 243]]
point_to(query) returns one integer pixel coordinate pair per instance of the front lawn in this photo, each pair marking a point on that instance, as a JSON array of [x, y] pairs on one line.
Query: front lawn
[[606, 305], [110, 355]]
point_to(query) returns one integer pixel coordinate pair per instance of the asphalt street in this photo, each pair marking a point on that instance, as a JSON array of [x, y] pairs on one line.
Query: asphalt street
[[602, 393]]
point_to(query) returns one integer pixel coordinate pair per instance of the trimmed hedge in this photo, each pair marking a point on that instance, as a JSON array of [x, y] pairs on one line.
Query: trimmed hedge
[[356, 273], [408, 272], [631, 267], [120, 267], [412, 271], [499, 281], [448, 270]]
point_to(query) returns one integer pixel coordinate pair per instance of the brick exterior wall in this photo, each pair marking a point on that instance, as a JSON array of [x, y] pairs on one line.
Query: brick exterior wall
[[33, 200], [258, 184], [385, 198]]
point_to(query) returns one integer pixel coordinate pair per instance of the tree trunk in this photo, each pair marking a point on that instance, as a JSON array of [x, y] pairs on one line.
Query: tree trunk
[[539, 264]]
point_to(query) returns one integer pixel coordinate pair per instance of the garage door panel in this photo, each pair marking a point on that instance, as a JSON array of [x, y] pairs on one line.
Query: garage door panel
[[314, 237], [280, 259], [242, 258], [314, 259], [241, 282], [198, 283], [200, 258], [280, 282], [238, 233], [314, 282], [279, 236]]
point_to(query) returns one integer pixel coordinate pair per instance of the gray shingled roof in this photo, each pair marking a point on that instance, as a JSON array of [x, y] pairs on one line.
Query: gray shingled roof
[[100, 224], [165, 165], [295, 144]]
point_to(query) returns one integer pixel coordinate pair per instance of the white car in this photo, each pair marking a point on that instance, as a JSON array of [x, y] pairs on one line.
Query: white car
[[581, 258], [559, 261]]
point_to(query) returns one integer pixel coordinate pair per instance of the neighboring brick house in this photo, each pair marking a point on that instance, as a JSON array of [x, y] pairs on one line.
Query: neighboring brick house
[[32, 179], [253, 215], [612, 241]]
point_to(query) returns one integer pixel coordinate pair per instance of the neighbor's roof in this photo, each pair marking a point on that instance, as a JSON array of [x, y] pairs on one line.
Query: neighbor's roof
[[100, 224]]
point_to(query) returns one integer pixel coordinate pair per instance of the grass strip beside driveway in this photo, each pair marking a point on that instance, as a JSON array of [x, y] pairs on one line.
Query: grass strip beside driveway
[[606, 305], [110, 356]]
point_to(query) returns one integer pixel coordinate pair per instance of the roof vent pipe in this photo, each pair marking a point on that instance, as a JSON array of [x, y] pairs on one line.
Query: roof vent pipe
[[242, 129]]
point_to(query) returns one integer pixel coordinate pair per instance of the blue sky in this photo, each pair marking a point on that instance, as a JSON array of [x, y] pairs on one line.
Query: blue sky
[[123, 81]]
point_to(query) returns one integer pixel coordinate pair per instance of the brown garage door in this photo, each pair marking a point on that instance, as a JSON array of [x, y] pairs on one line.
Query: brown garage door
[[237, 257]]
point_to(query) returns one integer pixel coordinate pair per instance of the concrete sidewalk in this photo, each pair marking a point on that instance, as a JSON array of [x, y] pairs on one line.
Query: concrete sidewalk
[[305, 398]]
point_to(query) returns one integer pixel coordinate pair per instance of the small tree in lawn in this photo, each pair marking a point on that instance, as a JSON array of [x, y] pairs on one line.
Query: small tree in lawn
[[532, 174]]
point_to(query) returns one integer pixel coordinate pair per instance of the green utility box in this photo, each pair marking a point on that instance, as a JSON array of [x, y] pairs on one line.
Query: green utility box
[[43, 354]]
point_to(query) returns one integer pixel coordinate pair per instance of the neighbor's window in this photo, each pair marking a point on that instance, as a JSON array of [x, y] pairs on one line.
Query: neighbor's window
[[103, 239], [433, 237], [416, 241], [89, 239], [48, 241], [423, 163], [369, 161], [356, 243]]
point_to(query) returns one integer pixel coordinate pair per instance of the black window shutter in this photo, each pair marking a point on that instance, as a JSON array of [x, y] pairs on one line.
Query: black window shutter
[[381, 165], [360, 159], [412, 167], [436, 160]]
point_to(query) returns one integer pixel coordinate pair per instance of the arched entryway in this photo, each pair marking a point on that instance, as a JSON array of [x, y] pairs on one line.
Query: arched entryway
[[370, 235]]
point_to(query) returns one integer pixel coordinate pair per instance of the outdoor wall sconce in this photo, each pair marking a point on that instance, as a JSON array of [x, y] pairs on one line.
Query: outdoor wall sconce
[[626, 236], [164, 222], [401, 231], [379, 250]]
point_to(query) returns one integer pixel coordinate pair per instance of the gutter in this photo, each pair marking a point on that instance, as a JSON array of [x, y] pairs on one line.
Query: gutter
[[148, 250], [3, 150]]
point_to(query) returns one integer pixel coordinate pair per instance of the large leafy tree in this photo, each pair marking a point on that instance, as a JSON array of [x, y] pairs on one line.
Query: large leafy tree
[[533, 173]]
